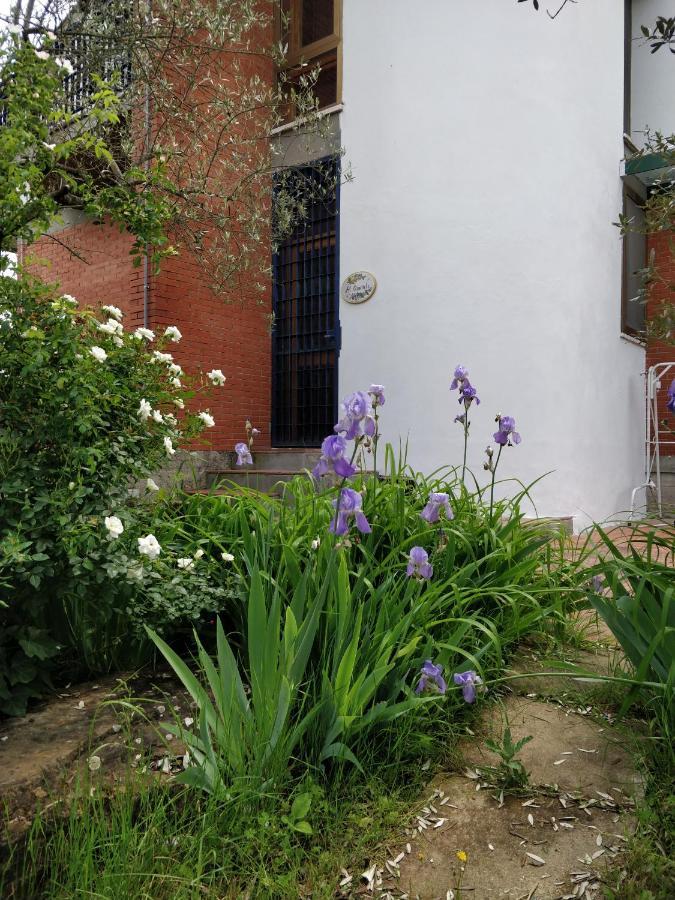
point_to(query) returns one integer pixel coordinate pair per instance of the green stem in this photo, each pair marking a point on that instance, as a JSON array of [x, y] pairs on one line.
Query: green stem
[[344, 481], [375, 440], [466, 441], [492, 483]]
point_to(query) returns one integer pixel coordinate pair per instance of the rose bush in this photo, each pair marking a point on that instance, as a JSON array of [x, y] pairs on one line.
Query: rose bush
[[87, 411]]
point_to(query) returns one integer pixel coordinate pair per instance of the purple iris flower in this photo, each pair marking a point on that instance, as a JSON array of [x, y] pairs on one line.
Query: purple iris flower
[[332, 458], [244, 457], [506, 432], [349, 505], [467, 394], [432, 511], [670, 405], [376, 391], [468, 681], [460, 375], [418, 563], [357, 409], [431, 672]]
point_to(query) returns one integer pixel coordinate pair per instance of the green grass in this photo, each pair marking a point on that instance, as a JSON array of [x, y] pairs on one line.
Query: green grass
[[170, 843]]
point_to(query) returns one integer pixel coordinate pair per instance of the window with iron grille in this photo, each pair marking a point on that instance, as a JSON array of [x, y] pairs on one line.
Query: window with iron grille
[[306, 332]]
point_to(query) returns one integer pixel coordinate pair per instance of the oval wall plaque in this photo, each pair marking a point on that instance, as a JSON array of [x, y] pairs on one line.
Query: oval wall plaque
[[358, 287]]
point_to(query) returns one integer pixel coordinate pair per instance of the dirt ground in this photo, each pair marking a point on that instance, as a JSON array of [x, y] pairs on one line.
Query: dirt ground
[[91, 726], [551, 841]]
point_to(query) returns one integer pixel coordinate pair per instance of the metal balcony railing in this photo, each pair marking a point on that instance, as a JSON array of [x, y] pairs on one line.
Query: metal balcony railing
[[98, 56]]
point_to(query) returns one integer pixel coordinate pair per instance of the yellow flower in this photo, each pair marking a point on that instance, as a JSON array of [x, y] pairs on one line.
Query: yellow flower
[[461, 856]]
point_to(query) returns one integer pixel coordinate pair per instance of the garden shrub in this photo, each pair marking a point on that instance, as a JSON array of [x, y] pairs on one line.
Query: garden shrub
[[87, 411]]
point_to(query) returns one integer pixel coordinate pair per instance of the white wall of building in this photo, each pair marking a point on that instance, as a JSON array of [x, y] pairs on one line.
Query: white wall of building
[[653, 75], [485, 142]]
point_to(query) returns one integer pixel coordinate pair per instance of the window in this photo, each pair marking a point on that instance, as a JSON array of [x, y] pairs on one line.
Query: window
[[634, 262], [306, 331], [312, 31]]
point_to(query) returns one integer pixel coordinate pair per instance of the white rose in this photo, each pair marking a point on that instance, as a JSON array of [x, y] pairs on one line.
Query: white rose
[[185, 562], [144, 411], [175, 369], [145, 334], [227, 557], [68, 298], [173, 333], [161, 357], [149, 546], [111, 326], [113, 311], [168, 446], [99, 354], [199, 553], [114, 526], [207, 419], [151, 485], [179, 403], [157, 416], [216, 377], [316, 543], [175, 382]]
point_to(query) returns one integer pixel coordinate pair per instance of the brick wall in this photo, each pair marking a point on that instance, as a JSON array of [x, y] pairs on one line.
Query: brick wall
[[658, 351], [92, 263], [223, 333], [232, 335]]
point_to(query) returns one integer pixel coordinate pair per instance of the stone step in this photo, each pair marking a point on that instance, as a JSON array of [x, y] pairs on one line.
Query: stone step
[[291, 458], [266, 481], [287, 460]]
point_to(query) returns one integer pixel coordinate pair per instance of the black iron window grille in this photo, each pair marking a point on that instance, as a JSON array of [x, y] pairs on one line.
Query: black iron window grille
[[306, 331]]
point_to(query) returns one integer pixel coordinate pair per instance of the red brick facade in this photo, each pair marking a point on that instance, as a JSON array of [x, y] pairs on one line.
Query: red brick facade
[[233, 336], [662, 289], [231, 333]]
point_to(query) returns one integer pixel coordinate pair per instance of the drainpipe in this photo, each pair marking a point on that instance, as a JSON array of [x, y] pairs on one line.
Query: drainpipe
[[146, 256], [146, 287]]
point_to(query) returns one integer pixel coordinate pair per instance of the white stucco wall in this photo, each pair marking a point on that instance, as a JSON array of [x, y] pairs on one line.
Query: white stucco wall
[[653, 75], [485, 143]]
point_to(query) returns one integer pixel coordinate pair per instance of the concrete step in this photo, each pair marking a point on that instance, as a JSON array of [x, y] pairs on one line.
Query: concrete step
[[292, 459], [267, 481], [286, 460]]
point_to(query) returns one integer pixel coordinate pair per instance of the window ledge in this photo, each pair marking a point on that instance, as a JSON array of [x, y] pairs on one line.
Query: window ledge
[[633, 339], [296, 123]]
